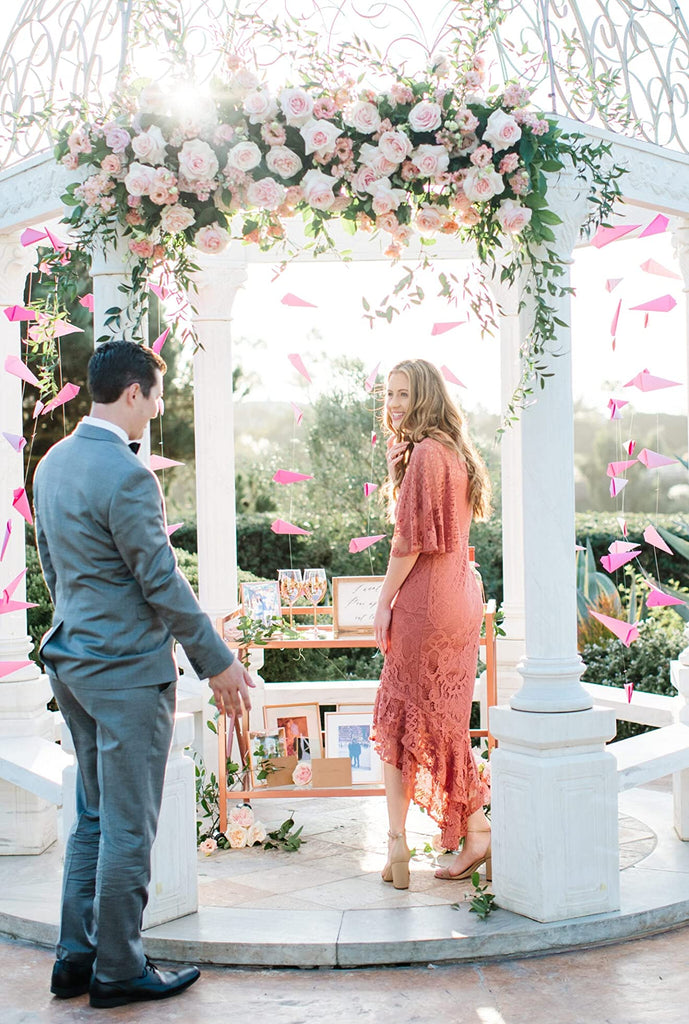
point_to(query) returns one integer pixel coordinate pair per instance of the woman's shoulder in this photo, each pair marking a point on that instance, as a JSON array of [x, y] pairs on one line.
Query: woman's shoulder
[[437, 450]]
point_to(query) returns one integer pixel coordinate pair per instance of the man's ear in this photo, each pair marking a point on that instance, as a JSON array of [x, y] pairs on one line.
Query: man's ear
[[132, 391]]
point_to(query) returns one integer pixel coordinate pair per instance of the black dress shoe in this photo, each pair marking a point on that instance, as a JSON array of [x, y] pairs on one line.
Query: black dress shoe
[[153, 984], [70, 979]]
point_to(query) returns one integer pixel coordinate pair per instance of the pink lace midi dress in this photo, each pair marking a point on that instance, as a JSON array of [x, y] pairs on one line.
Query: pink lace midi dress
[[422, 710]]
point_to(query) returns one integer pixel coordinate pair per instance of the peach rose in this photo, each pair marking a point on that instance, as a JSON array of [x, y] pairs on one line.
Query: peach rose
[[242, 816], [395, 146], [430, 160], [296, 105], [283, 161], [385, 197], [513, 216], [208, 846], [176, 218], [149, 146], [256, 834], [142, 248], [374, 157], [139, 179], [428, 220], [387, 222], [482, 156], [301, 776], [266, 193], [426, 116], [111, 164], [244, 156], [509, 163], [363, 117], [197, 161], [259, 106], [212, 239], [318, 189], [482, 183], [319, 136], [502, 131], [236, 837]]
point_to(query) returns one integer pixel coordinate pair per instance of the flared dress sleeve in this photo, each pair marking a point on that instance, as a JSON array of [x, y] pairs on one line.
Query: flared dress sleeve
[[427, 516]]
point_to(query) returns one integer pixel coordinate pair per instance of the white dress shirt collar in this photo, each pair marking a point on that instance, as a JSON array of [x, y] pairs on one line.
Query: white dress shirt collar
[[94, 421]]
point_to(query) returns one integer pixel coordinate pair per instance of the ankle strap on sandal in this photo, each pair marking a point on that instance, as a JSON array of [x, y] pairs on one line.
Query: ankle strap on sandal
[[396, 835]]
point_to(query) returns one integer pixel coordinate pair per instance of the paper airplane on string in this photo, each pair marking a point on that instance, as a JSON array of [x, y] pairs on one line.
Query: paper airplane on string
[[88, 302], [659, 599], [646, 381], [15, 606], [298, 414], [15, 366], [293, 300], [374, 437], [618, 546], [282, 526], [663, 304], [653, 267], [450, 377], [17, 441], [651, 536], [15, 313], [604, 236], [298, 364], [629, 446], [615, 468], [617, 484], [160, 341], [620, 558], [627, 632], [629, 690], [616, 319], [656, 226], [20, 502], [37, 409], [159, 462], [285, 476], [159, 290], [5, 539], [172, 527], [65, 394], [369, 488], [612, 283], [579, 547], [358, 544], [61, 329], [370, 381], [8, 667], [57, 243], [9, 590], [30, 235], [443, 327], [614, 405], [45, 268], [653, 460], [622, 523]]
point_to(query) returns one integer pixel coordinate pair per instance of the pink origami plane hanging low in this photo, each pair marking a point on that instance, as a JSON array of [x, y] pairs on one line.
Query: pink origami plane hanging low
[[629, 446], [653, 267], [620, 558], [57, 243], [298, 413], [358, 544], [30, 235], [160, 462], [298, 364], [616, 319], [450, 376], [65, 394], [654, 460], [659, 599], [656, 227], [9, 590], [282, 526], [293, 300], [374, 437], [172, 528], [8, 667], [663, 304], [646, 381], [370, 381], [286, 476], [629, 690], [622, 523], [369, 488], [612, 283], [19, 313], [627, 632], [88, 302], [615, 468], [604, 236], [160, 341], [618, 546], [444, 327], [17, 441], [651, 536], [617, 484], [20, 502], [15, 366], [615, 405]]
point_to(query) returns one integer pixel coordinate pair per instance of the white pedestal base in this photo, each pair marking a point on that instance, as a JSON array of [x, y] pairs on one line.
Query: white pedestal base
[[554, 814]]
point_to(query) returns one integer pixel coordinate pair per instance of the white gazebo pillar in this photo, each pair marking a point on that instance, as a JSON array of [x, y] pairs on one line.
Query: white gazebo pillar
[[554, 797], [28, 823]]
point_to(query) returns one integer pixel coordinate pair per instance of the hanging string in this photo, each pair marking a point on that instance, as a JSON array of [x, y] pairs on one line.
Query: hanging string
[[370, 476]]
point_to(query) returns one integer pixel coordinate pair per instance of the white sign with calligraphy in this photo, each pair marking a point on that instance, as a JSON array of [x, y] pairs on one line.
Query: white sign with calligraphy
[[354, 604]]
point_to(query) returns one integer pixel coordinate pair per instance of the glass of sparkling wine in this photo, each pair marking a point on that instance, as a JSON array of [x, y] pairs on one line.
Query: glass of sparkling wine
[[314, 590], [290, 583]]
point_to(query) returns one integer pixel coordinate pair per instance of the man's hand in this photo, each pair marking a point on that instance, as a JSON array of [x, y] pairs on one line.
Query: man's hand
[[231, 688]]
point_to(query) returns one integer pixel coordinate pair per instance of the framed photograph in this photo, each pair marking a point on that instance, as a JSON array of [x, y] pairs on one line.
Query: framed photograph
[[264, 746], [348, 734], [261, 601], [302, 728], [354, 604]]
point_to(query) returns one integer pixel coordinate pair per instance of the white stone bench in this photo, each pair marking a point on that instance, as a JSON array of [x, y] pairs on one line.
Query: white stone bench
[[654, 709]]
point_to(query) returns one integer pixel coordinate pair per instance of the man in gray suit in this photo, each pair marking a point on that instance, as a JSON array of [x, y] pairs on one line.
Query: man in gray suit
[[119, 601]]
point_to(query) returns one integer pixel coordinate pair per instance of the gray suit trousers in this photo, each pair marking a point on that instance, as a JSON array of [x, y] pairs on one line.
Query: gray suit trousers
[[122, 739]]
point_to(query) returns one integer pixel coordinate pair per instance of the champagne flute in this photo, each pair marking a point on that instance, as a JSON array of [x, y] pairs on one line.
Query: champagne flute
[[290, 583], [315, 587]]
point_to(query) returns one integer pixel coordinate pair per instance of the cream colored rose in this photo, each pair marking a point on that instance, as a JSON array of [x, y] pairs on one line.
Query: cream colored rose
[[482, 183], [374, 157], [197, 161], [363, 178], [318, 189], [363, 117], [259, 106], [395, 146], [319, 136], [242, 815], [513, 217], [176, 218], [208, 846], [244, 156], [430, 160], [139, 179], [426, 116], [149, 146], [301, 776], [385, 197], [236, 837], [212, 239], [502, 130], [283, 161], [296, 105], [428, 220], [257, 834], [266, 193]]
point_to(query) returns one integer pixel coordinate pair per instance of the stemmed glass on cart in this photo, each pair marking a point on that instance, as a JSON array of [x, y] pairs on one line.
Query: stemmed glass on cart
[[290, 583], [314, 590]]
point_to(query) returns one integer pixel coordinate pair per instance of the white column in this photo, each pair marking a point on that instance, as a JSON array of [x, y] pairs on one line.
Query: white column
[[218, 281], [554, 801]]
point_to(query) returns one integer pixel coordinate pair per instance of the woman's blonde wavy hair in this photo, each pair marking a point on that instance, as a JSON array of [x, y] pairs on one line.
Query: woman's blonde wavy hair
[[432, 413]]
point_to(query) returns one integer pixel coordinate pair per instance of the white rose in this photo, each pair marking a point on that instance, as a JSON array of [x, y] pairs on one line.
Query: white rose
[[426, 116], [482, 183], [319, 136], [513, 216], [243, 82], [374, 157], [257, 833], [363, 117], [502, 130], [139, 179], [259, 106], [197, 161], [430, 160], [149, 147], [296, 105], [244, 156], [395, 146], [152, 100], [318, 189], [281, 160], [212, 239], [385, 197], [266, 193], [176, 218], [363, 177]]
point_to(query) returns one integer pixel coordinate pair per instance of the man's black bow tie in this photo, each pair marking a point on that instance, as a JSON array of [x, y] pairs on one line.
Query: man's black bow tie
[[135, 445]]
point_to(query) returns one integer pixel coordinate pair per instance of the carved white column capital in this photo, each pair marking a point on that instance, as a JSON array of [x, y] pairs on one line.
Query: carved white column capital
[[568, 198], [16, 263], [217, 282]]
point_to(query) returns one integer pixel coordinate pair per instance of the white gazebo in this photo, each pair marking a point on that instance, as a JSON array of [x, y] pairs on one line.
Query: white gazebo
[[555, 784]]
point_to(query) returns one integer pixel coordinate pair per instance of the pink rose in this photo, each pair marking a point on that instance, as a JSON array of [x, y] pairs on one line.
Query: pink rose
[[273, 134], [482, 156], [509, 163], [520, 183], [244, 156], [373, 157], [79, 142], [324, 107], [212, 239], [117, 139], [318, 189], [70, 161], [466, 121], [363, 178], [197, 161], [430, 160], [296, 105], [428, 219], [363, 117], [111, 164], [176, 218], [236, 837], [502, 131], [266, 193], [223, 133], [139, 179], [515, 95], [301, 776], [385, 197], [482, 183], [283, 161], [242, 816], [401, 94], [341, 203], [149, 147], [142, 248], [319, 136], [426, 116], [387, 222], [208, 846], [260, 106], [395, 146]]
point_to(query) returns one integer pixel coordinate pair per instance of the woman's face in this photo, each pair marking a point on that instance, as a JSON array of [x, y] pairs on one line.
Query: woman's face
[[397, 400]]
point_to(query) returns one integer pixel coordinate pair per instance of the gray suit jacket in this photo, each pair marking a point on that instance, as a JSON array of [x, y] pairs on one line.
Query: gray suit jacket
[[118, 594]]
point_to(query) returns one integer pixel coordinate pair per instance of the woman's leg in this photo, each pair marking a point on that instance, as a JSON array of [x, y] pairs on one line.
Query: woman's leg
[[475, 847], [398, 799]]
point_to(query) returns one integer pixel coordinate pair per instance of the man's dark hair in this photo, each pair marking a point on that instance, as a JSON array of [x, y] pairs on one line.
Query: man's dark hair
[[117, 364]]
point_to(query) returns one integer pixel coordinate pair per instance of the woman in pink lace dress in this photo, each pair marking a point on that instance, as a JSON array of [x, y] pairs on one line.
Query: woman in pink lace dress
[[428, 623]]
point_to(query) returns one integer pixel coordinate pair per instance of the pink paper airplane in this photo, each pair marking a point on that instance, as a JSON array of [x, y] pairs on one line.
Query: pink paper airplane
[[30, 236], [61, 329], [15, 313], [9, 590], [369, 488], [619, 546], [614, 405], [579, 547], [357, 544], [298, 364], [616, 319], [645, 381], [160, 290], [160, 341], [15, 366], [442, 328], [65, 394], [298, 414], [653, 267], [370, 381], [659, 599], [293, 300], [15, 606], [45, 268], [37, 409], [629, 446], [663, 304], [617, 484], [5, 539], [450, 377], [653, 460], [604, 236], [374, 437], [172, 528], [615, 561], [627, 632], [285, 476], [16, 440], [20, 502], [159, 462], [651, 536], [612, 283], [656, 226], [8, 667], [282, 526], [615, 468], [622, 525], [88, 302], [629, 690], [57, 243]]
